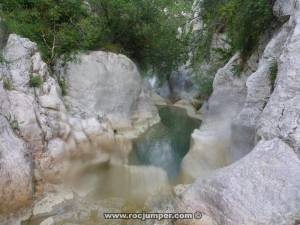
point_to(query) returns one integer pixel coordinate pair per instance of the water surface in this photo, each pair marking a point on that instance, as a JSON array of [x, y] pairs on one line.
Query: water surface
[[154, 162], [165, 144]]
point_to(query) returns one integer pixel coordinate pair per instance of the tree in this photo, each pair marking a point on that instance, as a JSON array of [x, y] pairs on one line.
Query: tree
[[144, 30]]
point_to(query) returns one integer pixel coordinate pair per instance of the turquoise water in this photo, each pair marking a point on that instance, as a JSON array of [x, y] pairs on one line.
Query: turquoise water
[[165, 144], [121, 188]]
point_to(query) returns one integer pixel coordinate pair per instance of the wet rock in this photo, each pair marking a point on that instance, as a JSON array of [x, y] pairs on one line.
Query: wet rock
[[49, 221], [51, 201]]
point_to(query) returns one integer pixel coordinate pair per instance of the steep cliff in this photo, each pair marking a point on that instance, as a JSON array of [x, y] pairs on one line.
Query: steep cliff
[[261, 184], [41, 130]]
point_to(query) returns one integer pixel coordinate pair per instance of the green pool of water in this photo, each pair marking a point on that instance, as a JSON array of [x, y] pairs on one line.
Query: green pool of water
[[165, 144]]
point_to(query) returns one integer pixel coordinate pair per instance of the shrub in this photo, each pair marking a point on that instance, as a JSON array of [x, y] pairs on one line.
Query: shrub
[[143, 30], [35, 81], [242, 21], [2, 59], [63, 86], [273, 71], [205, 87], [237, 69], [7, 84], [204, 80], [14, 123], [110, 47]]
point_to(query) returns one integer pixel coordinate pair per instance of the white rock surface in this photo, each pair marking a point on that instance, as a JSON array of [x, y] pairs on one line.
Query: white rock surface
[[283, 8], [210, 145], [280, 117], [16, 187], [103, 82], [262, 188], [259, 89]]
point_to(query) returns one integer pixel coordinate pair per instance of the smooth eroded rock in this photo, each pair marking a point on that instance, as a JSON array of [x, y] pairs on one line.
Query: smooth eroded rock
[[16, 187], [262, 188], [103, 82]]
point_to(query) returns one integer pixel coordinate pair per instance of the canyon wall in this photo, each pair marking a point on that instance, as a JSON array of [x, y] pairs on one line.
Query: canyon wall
[[260, 183]]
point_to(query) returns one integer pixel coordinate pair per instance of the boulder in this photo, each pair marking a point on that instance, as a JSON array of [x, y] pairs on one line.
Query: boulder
[[103, 82], [26, 105], [21, 109], [210, 145], [16, 187], [262, 188]]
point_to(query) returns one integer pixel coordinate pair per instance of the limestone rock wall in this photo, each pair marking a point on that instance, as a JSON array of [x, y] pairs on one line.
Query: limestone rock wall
[[103, 82], [41, 131], [262, 185]]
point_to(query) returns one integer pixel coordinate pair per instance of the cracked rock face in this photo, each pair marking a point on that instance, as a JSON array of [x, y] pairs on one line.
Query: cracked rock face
[[280, 118], [55, 134], [103, 82], [16, 187], [259, 89], [210, 144], [262, 186]]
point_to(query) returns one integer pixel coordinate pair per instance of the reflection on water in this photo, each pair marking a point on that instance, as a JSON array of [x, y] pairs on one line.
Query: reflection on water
[[115, 187], [165, 144]]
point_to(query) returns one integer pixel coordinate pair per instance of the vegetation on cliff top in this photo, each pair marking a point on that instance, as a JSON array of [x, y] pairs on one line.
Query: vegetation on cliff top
[[243, 23], [143, 30]]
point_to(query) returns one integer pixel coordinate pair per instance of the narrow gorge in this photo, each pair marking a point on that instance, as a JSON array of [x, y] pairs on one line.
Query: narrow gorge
[[91, 132]]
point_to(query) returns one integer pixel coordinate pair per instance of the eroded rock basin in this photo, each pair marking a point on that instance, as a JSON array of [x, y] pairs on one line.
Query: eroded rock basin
[[143, 185], [165, 144]]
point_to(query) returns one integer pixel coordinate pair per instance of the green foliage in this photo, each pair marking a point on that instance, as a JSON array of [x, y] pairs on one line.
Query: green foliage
[[116, 48], [63, 86], [143, 30], [273, 71], [36, 80], [7, 84], [242, 21], [204, 80], [2, 59], [237, 69], [54, 25], [223, 54], [14, 123], [205, 87]]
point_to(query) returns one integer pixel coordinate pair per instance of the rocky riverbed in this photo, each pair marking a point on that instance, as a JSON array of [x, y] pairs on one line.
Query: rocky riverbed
[[242, 167]]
